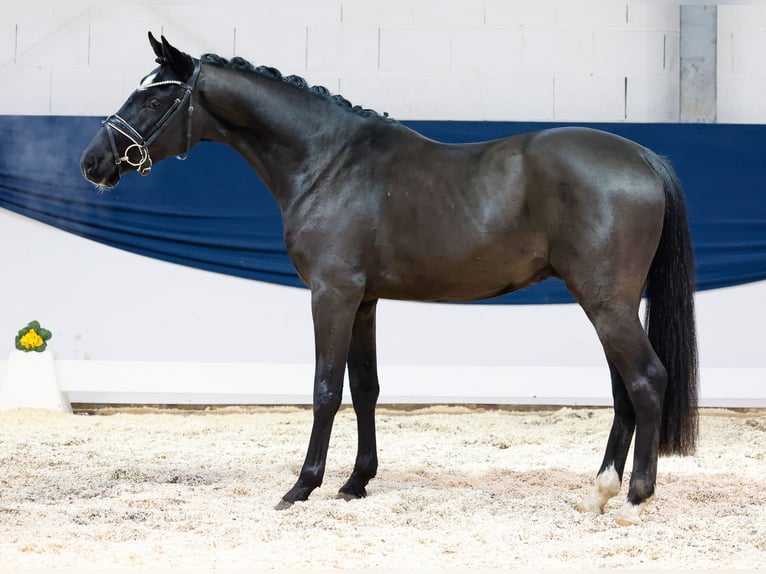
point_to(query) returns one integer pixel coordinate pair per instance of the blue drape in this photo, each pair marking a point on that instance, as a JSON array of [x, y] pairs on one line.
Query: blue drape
[[213, 212]]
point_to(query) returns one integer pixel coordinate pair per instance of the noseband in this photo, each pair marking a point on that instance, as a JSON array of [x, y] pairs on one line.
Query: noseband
[[143, 163]]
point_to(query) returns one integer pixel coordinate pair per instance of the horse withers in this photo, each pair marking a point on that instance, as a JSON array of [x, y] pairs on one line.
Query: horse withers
[[373, 210]]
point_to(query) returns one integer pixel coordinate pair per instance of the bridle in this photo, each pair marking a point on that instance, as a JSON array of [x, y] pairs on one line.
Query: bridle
[[143, 163]]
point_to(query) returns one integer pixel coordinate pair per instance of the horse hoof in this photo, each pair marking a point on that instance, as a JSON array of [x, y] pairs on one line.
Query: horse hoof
[[627, 520], [352, 490], [283, 505], [590, 504], [350, 495], [629, 514]]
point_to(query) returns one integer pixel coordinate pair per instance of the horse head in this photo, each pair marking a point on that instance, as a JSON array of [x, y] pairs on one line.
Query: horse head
[[155, 122]]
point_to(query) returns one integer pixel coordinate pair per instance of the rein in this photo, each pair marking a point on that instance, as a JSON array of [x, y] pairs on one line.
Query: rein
[[115, 122]]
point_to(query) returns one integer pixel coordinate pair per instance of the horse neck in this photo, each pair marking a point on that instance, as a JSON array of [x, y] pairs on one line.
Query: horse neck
[[283, 132]]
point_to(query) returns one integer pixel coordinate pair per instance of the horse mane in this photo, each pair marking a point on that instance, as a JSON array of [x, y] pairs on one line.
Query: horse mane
[[241, 64]]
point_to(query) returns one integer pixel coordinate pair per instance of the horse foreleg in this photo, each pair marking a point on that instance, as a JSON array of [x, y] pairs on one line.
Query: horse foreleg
[[609, 476], [333, 311], [363, 380]]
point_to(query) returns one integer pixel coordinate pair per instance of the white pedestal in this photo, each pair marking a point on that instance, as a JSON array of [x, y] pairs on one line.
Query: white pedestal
[[30, 382]]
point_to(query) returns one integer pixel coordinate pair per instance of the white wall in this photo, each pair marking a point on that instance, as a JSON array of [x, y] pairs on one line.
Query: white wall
[[742, 63], [416, 59]]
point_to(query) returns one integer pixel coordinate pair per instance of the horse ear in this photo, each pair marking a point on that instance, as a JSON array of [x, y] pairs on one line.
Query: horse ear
[[182, 64], [156, 46]]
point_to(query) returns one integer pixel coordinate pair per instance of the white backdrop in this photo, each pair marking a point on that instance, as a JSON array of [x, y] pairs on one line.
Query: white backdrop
[[125, 323]]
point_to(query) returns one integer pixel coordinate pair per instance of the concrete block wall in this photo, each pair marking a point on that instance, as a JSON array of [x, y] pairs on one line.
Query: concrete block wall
[[417, 59], [547, 60], [742, 63]]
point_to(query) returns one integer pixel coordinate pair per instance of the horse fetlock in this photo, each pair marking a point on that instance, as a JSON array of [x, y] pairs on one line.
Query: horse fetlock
[[607, 486], [298, 493], [641, 490], [354, 488]]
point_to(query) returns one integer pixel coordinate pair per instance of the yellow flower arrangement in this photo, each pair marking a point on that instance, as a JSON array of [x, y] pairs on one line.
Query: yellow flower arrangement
[[33, 338]]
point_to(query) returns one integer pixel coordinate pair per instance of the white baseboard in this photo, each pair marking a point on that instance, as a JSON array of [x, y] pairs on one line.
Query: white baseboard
[[113, 382]]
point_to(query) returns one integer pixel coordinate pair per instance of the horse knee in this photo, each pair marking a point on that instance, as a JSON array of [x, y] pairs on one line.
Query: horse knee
[[327, 402]]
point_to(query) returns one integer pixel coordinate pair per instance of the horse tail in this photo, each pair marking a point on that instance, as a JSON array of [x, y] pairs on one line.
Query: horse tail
[[670, 320]]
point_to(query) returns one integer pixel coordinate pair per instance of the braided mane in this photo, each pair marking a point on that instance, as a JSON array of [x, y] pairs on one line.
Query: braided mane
[[241, 64]]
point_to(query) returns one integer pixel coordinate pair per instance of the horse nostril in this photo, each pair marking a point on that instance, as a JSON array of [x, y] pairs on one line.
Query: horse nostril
[[88, 165]]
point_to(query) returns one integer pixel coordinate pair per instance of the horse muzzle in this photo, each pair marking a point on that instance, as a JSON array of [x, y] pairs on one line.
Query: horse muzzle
[[98, 167]]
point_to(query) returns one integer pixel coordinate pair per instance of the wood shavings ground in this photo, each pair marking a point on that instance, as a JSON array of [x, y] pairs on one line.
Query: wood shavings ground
[[457, 487]]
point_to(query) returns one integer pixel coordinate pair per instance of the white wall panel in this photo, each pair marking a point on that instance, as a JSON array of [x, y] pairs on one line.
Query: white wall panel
[[343, 49], [525, 14], [204, 38], [32, 10], [110, 81], [441, 13], [418, 95], [556, 13], [282, 47], [635, 52], [653, 98], [25, 91], [654, 15], [415, 49], [7, 44], [741, 64], [122, 47], [522, 97], [558, 51], [392, 13], [742, 100], [53, 45], [741, 15], [743, 52], [589, 98], [292, 12], [494, 51]]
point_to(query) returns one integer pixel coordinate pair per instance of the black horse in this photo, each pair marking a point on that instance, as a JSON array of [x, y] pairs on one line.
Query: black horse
[[373, 210]]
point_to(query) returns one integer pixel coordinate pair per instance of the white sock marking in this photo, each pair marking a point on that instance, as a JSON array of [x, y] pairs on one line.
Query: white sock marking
[[607, 486]]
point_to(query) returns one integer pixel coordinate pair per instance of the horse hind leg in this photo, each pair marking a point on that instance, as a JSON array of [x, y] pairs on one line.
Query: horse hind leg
[[644, 378], [609, 477], [363, 381]]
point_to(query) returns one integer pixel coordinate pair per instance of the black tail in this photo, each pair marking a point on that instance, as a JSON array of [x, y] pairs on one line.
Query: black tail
[[670, 316]]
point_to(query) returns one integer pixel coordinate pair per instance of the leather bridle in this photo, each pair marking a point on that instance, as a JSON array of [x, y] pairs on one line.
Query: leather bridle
[[143, 163]]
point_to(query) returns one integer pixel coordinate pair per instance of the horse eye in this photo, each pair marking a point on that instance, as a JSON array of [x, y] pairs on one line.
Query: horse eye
[[153, 103]]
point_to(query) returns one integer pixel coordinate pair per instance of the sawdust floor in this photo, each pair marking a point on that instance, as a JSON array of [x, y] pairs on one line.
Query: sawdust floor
[[457, 487]]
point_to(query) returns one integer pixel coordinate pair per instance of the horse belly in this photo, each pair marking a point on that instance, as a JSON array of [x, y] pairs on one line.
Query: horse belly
[[444, 273]]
